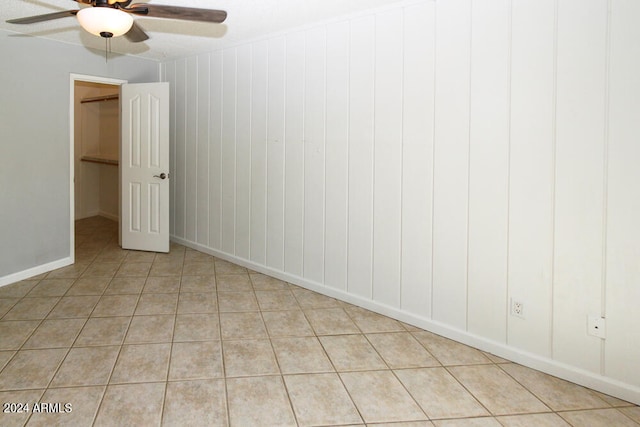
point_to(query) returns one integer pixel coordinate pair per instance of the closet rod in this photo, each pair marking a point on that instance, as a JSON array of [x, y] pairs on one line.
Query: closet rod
[[100, 98]]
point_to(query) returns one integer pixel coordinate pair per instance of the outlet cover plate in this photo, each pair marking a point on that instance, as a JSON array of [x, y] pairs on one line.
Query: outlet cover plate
[[517, 308], [596, 326]]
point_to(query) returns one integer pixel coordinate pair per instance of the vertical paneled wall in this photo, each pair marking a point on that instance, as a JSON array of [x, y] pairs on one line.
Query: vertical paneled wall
[[215, 149], [361, 157], [191, 143], [314, 154], [243, 152], [336, 148], [276, 78], [387, 156], [622, 192], [418, 105], [489, 168], [579, 177], [203, 150], [451, 162], [531, 173], [436, 160], [294, 152]]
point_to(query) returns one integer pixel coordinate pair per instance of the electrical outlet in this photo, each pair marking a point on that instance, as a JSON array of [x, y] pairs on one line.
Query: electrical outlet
[[596, 326], [517, 308]]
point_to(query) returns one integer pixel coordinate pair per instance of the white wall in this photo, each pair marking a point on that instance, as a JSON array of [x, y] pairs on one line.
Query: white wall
[[432, 162], [34, 153]]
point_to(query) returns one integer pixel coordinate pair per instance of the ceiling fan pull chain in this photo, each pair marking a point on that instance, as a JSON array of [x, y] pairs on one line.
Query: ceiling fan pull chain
[[107, 43]]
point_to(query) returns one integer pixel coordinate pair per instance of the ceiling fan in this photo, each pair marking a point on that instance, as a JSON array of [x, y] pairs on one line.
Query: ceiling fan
[[112, 18]]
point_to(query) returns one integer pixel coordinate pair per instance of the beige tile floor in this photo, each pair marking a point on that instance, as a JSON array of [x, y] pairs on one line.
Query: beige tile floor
[[139, 339]]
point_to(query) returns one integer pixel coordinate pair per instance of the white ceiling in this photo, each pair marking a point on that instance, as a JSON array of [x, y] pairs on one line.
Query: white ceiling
[[247, 19]]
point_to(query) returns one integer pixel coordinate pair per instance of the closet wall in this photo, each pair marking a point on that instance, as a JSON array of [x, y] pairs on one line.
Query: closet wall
[[433, 162], [97, 140]]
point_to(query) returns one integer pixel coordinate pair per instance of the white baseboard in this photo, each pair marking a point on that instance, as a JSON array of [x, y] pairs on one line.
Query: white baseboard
[[85, 215], [113, 217], [91, 214], [585, 378], [110, 216], [34, 271]]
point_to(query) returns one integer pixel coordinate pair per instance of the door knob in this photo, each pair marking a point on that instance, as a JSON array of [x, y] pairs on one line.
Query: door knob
[[161, 176]]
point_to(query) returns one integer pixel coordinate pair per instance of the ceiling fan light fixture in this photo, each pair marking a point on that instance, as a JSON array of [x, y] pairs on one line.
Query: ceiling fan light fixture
[[104, 20]]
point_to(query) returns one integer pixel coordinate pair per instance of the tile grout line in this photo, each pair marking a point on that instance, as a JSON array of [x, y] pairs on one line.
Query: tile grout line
[[79, 332], [173, 331], [222, 359], [297, 298], [124, 337], [335, 370]]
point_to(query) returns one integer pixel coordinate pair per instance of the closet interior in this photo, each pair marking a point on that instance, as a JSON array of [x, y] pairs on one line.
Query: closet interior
[[96, 150]]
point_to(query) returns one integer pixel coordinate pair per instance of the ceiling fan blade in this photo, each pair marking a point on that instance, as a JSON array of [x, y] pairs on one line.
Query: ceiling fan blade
[[178, 12], [41, 18], [136, 34], [84, 1]]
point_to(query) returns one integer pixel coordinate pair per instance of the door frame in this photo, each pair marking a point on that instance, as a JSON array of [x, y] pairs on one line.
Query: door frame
[[73, 78]]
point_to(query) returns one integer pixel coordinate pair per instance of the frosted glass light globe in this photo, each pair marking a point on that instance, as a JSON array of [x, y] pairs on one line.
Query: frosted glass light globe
[[105, 20]]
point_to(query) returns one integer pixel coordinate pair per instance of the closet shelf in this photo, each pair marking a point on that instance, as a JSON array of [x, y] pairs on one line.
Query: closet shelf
[[100, 98], [97, 158]]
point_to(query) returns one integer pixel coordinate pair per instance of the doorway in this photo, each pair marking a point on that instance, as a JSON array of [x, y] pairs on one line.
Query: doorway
[[95, 149]]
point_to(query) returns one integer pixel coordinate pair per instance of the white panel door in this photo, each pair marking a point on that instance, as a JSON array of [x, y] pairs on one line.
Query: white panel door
[[144, 166]]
